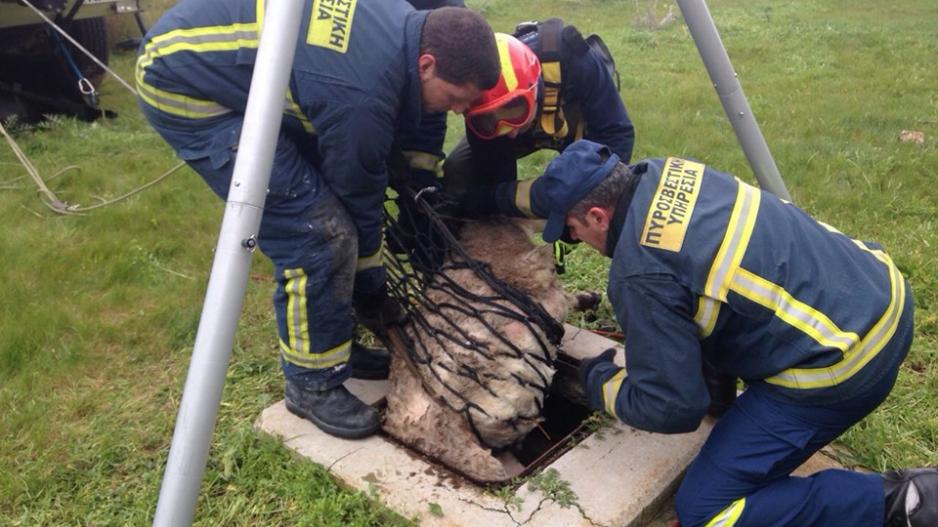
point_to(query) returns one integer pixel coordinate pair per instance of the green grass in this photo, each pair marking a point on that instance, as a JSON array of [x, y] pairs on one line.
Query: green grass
[[98, 312]]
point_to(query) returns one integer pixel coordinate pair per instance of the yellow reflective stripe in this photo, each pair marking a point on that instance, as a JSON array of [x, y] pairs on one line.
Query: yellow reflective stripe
[[523, 197], [862, 353], [293, 109], [708, 310], [735, 241], [326, 359], [259, 8], [176, 104], [372, 260], [796, 313], [877, 253], [200, 40], [728, 516], [611, 390], [297, 323], [422, 160], [504, 58], [828, 227], [880, 255]]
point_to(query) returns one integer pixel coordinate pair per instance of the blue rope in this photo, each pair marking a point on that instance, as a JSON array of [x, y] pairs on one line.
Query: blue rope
[[88, 93]]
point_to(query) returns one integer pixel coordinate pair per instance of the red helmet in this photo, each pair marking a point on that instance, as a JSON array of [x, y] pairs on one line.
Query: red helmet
[[511, 103]]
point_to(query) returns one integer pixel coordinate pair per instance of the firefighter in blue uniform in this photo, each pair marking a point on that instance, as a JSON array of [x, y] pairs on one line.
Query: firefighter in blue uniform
[[420, 145], [363, 69], [707, 267], [556, 87]]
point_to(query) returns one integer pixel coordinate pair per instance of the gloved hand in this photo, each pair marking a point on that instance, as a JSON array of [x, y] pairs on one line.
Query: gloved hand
[[586, 368], [477, 202], [376, 310], [587, 365], [565, 237], [722, 389]]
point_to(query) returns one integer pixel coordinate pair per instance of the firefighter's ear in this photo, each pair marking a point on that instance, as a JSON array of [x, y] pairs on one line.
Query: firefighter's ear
[[599, 218], [426, 66]]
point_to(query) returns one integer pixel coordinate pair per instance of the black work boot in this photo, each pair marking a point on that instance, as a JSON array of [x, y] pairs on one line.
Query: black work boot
[[911, 497], [335, 411], [369, 363]]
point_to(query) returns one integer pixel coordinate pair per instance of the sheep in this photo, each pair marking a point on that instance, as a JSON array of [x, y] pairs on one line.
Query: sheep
[[477, 373]]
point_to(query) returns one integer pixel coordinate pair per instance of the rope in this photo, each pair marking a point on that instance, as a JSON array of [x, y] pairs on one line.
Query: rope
[[85, 88], [54, 201], [51, 201], [105, 203], [79, 46]]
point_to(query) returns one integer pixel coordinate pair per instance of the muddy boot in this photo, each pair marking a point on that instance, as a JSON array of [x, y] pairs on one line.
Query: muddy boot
[[335, 411], [911, 497], [369, 363]]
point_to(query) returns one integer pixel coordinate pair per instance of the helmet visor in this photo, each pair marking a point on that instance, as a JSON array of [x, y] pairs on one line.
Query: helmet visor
[[489, 123]]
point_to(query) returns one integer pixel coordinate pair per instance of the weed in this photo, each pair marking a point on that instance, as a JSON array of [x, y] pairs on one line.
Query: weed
[[506, 493], [598, 423], [555, 489]]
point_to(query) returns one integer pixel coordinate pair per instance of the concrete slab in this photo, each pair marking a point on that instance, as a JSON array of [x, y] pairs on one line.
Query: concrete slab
[[619, 475]]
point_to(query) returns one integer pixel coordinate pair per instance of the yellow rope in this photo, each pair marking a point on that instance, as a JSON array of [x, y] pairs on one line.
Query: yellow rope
[[51, 200], [30, 169], [161, 177], [61, 207]]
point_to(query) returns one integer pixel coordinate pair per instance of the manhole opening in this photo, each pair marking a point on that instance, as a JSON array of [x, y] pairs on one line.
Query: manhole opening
[[565, 417], [564, 426]]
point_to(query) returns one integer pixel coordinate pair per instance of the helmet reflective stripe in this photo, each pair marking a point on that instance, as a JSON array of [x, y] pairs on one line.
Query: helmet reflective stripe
[[504, 58], [517, 84]]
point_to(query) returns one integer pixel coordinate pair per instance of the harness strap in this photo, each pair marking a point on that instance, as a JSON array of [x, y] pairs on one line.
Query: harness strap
[[555, 41], [551, 42]]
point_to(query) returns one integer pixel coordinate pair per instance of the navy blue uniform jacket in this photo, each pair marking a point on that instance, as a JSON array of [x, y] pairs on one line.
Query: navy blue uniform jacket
[[704, 264], [354, 81]]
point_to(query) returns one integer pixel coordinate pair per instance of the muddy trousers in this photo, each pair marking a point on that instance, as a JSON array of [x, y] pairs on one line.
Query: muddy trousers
[[305, 231], [741, 477]]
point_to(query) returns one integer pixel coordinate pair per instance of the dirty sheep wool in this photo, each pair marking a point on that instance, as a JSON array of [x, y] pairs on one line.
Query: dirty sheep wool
[[482, 386]]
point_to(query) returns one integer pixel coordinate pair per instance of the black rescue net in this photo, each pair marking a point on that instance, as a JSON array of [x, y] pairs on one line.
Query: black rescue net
[[454, 339]]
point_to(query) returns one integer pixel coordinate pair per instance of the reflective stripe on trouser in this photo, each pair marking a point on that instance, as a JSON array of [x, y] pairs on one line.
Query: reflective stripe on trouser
[[741, 476], [305, 231]]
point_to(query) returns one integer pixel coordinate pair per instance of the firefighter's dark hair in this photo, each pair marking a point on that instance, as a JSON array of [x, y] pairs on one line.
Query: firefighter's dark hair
[[606, 194], [463, 45]]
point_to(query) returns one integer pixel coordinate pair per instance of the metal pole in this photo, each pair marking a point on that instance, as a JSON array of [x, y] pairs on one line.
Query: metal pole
[[225, 296], [726, 83]]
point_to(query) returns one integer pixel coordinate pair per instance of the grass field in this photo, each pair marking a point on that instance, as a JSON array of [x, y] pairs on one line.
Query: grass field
[[98, 312]]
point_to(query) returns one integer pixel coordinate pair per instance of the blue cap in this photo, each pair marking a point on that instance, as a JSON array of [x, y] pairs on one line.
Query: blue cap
[[570, 177]]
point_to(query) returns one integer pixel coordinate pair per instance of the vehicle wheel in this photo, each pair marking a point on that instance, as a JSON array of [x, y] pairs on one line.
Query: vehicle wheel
[[92, 34]]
